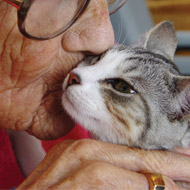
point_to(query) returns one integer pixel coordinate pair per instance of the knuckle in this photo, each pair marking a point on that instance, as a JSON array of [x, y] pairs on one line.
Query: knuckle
[[167, 161], [159, 161], [98, 168], [61, 146], [79, 147]]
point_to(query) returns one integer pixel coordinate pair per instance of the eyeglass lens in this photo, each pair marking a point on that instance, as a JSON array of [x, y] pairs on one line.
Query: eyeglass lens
[[50, 18], [46, 18]]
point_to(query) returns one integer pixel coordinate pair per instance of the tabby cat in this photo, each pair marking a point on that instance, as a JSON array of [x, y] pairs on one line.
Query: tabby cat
[[133, 95]]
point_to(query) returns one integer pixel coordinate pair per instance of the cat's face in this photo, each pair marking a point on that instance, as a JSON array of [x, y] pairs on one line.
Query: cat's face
[[118, 95], [100, 93], [113, 90]]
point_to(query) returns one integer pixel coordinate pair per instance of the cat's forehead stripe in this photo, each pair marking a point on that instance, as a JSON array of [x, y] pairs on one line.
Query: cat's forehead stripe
[[154, 55], [131, 68], [144, 55]]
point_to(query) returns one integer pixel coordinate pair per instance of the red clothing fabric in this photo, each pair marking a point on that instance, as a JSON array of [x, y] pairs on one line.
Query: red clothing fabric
[[10, 174], [78, 132]]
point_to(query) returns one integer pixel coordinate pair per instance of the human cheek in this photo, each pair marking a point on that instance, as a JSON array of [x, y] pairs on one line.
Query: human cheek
[[92, 32]]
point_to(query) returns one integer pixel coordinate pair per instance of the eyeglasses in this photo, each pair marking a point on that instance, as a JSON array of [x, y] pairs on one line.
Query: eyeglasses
[[46, 19]]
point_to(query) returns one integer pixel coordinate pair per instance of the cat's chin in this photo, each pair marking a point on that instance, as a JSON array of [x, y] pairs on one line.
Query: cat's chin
[[74, 110], [79, 115], [93, 124]]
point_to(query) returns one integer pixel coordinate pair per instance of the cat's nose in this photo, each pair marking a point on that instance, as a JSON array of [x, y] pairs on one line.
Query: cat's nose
[[73, 79]]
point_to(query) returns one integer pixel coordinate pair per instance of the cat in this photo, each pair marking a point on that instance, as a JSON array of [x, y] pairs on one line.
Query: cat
[[133, 95]]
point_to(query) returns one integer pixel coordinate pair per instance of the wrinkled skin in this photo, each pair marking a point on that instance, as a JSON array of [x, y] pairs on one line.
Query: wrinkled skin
[[32, 71], [31, 74], [89, 164]]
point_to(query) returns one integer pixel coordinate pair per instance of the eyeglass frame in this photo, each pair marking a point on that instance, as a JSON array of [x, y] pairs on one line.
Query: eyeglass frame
[[23, 7]]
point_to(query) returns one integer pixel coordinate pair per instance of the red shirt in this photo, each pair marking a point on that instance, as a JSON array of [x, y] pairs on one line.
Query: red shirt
[[10, 174]]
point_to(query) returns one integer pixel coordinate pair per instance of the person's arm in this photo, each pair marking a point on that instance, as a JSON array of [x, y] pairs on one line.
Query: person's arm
[[90, 164]]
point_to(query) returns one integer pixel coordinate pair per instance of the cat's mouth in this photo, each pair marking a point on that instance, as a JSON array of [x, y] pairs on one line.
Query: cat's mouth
[[69, 100], [71, 107]]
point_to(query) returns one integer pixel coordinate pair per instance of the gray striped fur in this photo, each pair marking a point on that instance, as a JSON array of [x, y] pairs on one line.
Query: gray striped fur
[[153, 114]]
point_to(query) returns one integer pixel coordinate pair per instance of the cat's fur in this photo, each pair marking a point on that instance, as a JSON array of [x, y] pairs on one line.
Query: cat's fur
[[152, 113]]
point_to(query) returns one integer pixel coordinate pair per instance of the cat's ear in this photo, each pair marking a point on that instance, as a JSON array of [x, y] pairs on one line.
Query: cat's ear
[[162, 38], [181, 102]]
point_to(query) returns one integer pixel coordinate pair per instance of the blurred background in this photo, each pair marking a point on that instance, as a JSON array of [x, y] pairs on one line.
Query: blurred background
[[137, 16]]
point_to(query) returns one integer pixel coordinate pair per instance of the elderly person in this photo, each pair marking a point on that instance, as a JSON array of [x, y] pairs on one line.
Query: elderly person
[[51, 38]]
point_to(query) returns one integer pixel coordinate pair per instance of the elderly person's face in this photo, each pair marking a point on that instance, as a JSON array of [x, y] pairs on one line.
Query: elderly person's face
[[32, 72]]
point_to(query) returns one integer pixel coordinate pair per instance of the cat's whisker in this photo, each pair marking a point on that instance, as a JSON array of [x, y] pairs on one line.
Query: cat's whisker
[[130, 29], [118, 31], [123, 42]]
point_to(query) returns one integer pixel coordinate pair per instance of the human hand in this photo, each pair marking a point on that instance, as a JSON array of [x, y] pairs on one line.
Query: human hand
[[32, 72], [90, 164]]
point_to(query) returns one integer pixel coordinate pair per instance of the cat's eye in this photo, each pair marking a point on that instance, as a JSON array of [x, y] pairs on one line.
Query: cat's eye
[[121, 86]]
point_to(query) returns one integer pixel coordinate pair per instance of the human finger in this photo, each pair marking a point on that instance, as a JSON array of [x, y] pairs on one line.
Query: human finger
[[70, 158], [171, 185], [102, 175], [49, 159], [164, 162], [185, 151], [138, 160]]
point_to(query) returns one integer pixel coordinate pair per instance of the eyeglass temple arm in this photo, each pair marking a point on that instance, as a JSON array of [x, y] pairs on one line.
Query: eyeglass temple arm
[[15, 3]]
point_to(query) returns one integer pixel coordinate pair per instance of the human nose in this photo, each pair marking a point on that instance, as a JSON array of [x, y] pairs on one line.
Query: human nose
[[92, 32]]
